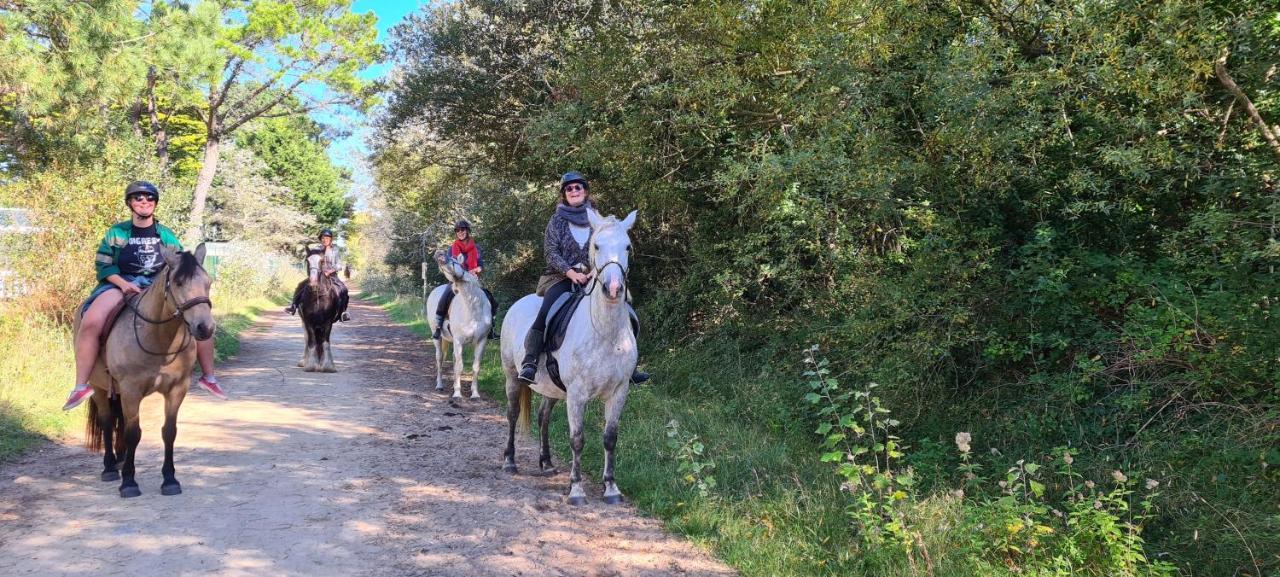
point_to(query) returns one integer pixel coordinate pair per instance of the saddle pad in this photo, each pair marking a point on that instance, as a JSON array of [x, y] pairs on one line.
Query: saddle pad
[[558, 317]]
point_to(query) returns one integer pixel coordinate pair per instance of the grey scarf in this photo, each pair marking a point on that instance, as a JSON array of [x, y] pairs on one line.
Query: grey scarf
[[575, 215]]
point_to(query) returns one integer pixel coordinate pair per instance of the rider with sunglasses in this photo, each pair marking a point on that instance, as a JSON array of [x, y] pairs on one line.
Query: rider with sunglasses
[[565, 246], [127, 262]]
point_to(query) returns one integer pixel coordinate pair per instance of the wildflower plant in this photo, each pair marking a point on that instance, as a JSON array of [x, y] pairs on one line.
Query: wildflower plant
[[694, 467]]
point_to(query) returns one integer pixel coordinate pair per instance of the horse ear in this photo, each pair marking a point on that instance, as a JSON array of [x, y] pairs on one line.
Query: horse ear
[[169, 255], [199, 253], [630, 220], [594, 218]]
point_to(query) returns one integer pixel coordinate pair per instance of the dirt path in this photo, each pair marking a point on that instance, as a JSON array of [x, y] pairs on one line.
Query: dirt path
[[362, 472]]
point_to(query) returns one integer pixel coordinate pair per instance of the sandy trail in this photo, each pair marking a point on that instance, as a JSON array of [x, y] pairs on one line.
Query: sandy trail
[[364, 472]]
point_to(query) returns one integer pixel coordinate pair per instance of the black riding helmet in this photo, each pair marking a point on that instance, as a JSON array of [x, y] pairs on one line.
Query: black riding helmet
[[462, 225], [141, 186], [326, 232], [571, 177]]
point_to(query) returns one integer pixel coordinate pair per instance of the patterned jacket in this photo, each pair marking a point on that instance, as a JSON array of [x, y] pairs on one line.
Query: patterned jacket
[[560, 248], [107, 261]]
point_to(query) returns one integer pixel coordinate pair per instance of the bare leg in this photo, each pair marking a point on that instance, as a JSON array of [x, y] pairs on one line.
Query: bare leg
[[204, 354], [91, 327]]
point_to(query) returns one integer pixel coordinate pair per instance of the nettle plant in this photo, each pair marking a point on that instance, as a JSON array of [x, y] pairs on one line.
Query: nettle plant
[[857, 433], [694, 467]]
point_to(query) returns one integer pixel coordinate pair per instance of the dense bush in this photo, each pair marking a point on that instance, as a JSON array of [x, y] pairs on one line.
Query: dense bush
[[1046, 224]]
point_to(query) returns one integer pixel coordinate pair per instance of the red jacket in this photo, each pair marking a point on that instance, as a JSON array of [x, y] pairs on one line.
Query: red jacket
[[467, 247]]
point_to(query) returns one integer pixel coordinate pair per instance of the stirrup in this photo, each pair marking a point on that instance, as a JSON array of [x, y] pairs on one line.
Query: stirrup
[[345, 317], [529, 373]]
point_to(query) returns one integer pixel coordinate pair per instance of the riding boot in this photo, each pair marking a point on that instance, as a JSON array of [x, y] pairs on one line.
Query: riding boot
[[439, 325], [637, 376], [532, 350]]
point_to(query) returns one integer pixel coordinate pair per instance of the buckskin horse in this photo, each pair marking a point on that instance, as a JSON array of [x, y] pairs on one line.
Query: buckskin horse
[[319, 311], [595, 359], [149, 349]]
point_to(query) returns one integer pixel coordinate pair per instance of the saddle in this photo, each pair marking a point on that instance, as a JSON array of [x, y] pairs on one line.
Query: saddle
[[109, 323], [558, 317]]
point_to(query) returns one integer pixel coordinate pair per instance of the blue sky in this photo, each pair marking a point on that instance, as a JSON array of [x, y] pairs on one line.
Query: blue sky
[[348, 151]]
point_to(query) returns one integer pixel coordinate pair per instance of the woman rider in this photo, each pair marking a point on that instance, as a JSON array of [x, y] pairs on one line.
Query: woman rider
[[565, 247], [465, 247], [328, 265], [127, 262]]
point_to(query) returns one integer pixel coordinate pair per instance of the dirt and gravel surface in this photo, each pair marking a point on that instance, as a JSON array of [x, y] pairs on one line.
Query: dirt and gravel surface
[[362, 472]]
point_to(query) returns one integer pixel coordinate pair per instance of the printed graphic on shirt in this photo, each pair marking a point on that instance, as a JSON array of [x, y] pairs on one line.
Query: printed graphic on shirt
[[141, 256]]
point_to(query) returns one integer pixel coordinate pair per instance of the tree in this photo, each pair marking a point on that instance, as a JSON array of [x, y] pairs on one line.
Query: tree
[[282, 59], [293, 150]]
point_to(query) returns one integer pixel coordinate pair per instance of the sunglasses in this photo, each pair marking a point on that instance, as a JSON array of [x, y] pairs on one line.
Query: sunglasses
[[569, 187], [146, 197]]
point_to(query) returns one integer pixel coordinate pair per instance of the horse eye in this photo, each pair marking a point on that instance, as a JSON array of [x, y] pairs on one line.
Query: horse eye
[[595, 246]]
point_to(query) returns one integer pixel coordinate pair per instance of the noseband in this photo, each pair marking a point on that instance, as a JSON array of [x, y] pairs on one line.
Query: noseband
[[179, 308]]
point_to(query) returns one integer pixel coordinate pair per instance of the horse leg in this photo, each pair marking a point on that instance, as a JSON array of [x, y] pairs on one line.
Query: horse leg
[[172, 400], [612, 413], [475, 368], [457, 370], [544, 431], [441, 351], [107, 424], [132, 436], [514, 387], [577, 496], [306, 350], [326, 349]]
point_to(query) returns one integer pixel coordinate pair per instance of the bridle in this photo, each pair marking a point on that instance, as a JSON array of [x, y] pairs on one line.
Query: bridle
[[179, 308]]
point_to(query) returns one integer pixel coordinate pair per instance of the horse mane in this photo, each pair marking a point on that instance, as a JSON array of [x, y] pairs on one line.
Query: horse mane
[[187, 267]]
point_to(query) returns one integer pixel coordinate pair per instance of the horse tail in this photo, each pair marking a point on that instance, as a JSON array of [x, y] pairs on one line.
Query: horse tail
[[526, 395], [92, 432]]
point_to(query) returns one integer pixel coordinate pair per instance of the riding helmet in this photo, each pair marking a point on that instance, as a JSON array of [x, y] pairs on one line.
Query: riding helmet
[[462, 225], [574, 176], [326, 232], [141, 186]]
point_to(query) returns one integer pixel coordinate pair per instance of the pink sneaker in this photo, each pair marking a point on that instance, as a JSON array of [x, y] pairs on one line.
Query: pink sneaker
[[210, 383], [78, 395]]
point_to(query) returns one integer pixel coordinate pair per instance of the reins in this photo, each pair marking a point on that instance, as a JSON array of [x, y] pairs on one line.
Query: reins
[[179, 308]]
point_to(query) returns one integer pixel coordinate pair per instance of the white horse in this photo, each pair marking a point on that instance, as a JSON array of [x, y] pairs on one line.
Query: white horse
[[469, 320], [596, 358]]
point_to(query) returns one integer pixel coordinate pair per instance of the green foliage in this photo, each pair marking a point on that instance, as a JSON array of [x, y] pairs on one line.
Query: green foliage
[[694, 466], [294, 151], [1047, 224]]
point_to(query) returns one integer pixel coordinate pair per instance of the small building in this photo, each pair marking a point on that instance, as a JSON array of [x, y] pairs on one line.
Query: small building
[[14, 222]]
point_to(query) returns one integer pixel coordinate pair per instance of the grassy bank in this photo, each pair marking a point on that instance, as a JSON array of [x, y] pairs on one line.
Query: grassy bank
[[773, 510], [33, 386], [721, 448]]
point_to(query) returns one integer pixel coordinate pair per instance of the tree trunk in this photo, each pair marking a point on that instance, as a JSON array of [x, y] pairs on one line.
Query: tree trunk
[[161, 135], [204, 181]]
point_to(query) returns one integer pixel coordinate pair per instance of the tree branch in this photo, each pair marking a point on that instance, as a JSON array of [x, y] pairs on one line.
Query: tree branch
[[1220, 67]]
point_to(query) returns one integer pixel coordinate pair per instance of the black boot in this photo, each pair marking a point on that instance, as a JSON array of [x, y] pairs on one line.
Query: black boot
[[532, 350], [439, 325], [291, 309], [638, 376]]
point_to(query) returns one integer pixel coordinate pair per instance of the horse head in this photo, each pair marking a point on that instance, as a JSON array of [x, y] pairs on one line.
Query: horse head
[[314, 263], [610, 252], [454, 268], [186, 285]]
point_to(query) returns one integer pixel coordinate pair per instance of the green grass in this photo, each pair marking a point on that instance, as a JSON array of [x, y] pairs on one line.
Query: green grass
[[33, 387], [776, 510]]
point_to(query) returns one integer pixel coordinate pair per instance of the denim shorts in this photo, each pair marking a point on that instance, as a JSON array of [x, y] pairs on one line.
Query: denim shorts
[[141, 281]]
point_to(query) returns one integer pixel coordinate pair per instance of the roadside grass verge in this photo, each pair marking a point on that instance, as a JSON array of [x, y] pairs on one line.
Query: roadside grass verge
[[774, 511], [37, 369]]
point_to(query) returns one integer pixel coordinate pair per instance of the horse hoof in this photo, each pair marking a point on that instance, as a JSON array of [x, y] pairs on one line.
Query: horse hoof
[[127, 492], [301, 364], [511, 468], [457, 395], [111, 475], [577, 501], [439, 388], [613, 499], [170, 490]]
